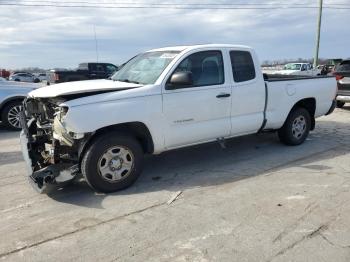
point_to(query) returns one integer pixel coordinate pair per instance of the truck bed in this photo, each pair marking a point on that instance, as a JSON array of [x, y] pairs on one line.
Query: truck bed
[[283, 92], [276, 77]]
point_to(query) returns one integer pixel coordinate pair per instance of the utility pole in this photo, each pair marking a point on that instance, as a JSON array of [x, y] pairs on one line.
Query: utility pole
[[96, 47], [318, 33]]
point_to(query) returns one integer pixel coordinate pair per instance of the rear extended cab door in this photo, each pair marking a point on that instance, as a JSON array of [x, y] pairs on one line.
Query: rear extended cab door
[[248, 92], [201, 112]]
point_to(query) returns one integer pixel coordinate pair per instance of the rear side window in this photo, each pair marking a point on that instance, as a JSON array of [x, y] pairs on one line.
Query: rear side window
[[96, 68], [242, 66]]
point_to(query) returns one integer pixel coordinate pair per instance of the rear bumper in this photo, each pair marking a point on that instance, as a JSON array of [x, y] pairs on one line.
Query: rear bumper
[[343, 98]]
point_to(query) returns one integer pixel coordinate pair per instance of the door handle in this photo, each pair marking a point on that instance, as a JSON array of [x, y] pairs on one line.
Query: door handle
[[223, 95]]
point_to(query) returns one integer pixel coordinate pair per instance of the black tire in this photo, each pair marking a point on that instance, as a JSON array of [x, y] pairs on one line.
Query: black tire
[[288, 135], [92, 157], [6, 121], [340, 104], [17, 80], [36, 80]]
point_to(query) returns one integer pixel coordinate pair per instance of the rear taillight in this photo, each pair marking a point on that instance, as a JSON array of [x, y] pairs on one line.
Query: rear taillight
[[338, 77], [56, 77]]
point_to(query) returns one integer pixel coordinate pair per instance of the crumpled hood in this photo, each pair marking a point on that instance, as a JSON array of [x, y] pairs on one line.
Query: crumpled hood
[[81, 87]]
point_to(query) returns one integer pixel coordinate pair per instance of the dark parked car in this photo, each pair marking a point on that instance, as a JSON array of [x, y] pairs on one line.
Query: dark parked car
[[85, 71], [342, 74]]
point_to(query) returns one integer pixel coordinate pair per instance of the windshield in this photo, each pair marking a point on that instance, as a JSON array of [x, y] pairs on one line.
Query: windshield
[[292, 67], [145, 68]]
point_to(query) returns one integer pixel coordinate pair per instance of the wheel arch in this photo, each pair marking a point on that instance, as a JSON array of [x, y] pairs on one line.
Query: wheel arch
[[137, 129], [310, 105]]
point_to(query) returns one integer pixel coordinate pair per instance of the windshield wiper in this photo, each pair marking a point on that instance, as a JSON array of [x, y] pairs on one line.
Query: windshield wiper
[[127, 81]]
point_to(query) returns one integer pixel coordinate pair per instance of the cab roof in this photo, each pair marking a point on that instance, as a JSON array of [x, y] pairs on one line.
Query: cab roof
[[193, 47]]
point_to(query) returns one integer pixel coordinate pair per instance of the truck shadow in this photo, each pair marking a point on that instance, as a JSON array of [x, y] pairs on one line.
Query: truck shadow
[[210, 165]]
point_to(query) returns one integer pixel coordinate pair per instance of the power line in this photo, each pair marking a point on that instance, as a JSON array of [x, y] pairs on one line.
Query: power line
[[170, 6], [166, 4]]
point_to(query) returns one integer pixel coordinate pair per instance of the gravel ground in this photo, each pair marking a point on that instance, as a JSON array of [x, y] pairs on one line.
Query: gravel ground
[[256, 200]]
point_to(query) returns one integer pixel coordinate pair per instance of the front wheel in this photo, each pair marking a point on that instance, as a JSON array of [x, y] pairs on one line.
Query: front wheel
[[10, 115], [296, 128], [112, 162]]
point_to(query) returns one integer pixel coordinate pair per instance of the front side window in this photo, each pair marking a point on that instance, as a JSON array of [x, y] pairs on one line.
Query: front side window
[[206, 67], [242, 66], [110, 69], [145, 68]]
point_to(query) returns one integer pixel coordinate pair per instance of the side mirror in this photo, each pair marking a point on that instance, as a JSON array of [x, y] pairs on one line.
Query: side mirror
[[180, 80]]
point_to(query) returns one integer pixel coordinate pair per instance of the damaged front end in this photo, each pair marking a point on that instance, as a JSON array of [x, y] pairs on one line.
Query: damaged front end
[[50, 151]]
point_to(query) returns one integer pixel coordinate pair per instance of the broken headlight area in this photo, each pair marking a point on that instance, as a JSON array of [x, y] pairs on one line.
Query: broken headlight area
[[51, 152]]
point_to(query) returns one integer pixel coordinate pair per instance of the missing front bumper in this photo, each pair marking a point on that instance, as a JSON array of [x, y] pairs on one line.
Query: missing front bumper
[[50, 176]]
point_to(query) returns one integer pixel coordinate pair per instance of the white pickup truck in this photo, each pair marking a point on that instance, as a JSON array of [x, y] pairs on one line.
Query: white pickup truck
[[161, 100], [299, 69]]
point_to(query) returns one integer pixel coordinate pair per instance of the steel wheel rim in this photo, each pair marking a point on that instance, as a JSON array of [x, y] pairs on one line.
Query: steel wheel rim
[[115, 164], [13, 116], [299, 127]]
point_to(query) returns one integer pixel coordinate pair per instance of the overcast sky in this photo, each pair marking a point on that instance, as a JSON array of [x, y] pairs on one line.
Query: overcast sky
[[50, 37]]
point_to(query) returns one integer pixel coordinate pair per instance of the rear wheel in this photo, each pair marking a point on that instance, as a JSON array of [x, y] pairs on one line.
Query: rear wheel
[[340, 104], [113, 162], [296, 128], [10, 115]]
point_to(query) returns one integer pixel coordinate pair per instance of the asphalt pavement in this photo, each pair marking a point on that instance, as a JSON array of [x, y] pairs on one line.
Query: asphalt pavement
[[256, 200]]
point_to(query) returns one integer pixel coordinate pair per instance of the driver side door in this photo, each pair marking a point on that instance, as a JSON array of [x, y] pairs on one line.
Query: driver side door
[[199, 112]]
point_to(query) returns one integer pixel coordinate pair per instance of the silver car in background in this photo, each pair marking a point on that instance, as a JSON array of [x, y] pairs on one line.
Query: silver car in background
[[11, 98], [22, 77]]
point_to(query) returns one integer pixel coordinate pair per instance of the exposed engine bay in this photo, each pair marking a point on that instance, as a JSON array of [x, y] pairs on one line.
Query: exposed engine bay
[[53, 152]]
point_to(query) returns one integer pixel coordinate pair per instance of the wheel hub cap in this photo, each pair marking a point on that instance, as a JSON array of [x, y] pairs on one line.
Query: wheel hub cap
[[13, 116], [299, 127], [115, 163]]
